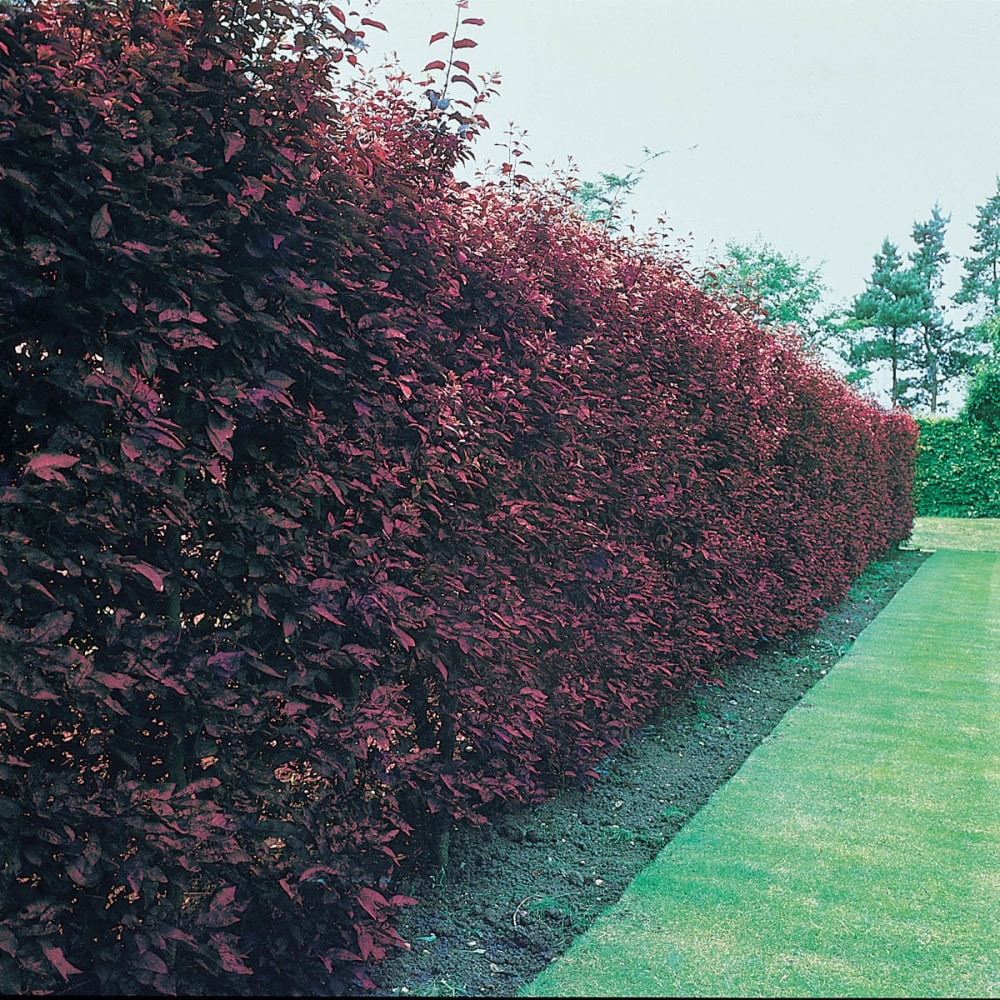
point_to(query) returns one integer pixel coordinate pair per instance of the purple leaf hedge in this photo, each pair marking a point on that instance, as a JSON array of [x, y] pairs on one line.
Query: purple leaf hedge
[[341, 503]]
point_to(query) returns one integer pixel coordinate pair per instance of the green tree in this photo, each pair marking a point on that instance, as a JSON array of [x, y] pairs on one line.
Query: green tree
[[982, 403], [980, 292], [882, 320], [777, 289], [981, 281], [601, 201], [944, 351]]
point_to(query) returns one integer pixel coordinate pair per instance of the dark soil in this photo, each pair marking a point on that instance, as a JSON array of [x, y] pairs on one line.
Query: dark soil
[[515, 895]]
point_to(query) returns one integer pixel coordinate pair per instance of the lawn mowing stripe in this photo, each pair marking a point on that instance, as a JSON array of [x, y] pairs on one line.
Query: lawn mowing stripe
[[970, 534], [857, 851]]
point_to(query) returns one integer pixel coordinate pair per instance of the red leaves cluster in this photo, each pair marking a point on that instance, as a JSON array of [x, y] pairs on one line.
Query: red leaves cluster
[[340, 504]]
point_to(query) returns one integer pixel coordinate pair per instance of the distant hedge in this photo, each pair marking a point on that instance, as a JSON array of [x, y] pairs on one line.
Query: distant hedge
[[958, 469]]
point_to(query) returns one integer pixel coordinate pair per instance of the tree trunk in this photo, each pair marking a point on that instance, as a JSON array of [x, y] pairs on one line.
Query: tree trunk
[[895, 366]]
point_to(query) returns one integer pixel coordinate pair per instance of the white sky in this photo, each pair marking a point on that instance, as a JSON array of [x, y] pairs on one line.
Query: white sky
[[821, 125]]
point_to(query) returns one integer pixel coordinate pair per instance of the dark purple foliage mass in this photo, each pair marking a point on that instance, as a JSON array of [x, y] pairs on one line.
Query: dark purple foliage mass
[[341, 503]]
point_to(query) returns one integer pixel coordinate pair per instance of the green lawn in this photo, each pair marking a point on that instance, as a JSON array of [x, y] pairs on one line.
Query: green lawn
[[969, 534], [857, 851]]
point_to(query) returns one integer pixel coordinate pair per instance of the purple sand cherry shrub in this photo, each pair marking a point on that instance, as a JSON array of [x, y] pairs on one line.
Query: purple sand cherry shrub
[[342, 502]]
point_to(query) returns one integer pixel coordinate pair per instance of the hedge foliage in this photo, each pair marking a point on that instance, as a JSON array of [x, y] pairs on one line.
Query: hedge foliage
[[341, 503], [958, 469]]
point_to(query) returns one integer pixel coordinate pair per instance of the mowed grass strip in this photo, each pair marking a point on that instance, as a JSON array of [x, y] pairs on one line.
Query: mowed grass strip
[[857, 851]]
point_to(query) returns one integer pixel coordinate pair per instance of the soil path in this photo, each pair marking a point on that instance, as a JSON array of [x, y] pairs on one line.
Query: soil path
[[855, 852]]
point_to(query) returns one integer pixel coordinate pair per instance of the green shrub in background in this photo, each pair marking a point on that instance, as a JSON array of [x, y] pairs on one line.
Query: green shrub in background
[[958, 469], [983, 402]]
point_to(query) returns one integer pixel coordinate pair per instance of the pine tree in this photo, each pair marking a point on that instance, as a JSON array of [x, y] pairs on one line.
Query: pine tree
[[981, 281], [944, 351], [884, 317]]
